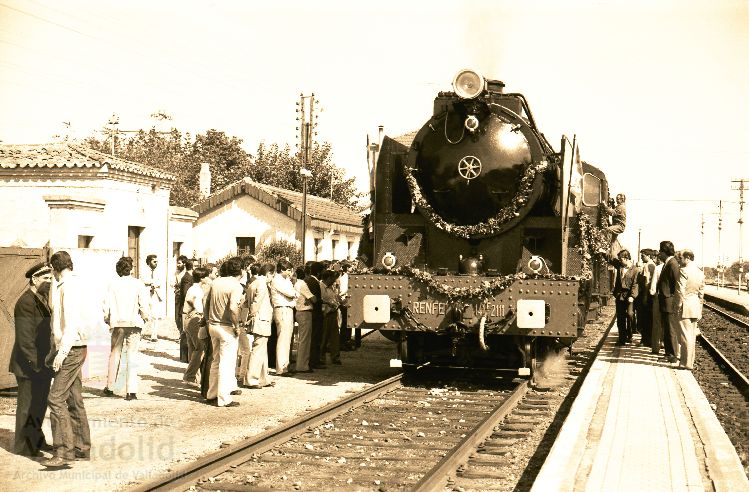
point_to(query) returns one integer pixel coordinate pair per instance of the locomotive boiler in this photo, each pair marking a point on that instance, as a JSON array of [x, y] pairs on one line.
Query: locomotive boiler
[[479, 248]]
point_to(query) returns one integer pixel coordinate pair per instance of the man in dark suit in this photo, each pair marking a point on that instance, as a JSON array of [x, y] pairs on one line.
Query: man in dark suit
[[644, 301], [625, 292], [316, 358], [33, 338], [668, 301], [180, 291]]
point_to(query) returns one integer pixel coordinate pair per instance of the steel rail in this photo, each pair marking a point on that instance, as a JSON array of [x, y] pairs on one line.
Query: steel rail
[[732, 370], [436, 478], [236, 454], [728, 315]]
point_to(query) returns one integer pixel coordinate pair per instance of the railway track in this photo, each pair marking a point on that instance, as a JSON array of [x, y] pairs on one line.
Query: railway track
[[734, 338], [453, 431], [721, 368], [389, 435]]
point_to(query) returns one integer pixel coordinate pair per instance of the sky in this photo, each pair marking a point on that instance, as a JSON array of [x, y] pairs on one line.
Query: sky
[[655, 91]]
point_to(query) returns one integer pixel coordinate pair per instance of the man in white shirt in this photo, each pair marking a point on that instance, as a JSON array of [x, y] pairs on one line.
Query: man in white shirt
[[153, 283], [126, 307], [70, 431], [283, 297]]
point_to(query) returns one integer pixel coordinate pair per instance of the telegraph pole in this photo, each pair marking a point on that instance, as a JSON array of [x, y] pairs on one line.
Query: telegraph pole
[[740, 186], [702, 235], [720, 251], [307, 124], [114, 130]]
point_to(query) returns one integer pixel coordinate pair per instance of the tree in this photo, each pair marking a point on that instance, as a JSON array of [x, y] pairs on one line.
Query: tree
[[181, 155], [278, 167]]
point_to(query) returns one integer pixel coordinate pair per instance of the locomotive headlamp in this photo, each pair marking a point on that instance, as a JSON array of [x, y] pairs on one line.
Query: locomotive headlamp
[[468, 84], [472, 123], [536, 263], [389, 260]]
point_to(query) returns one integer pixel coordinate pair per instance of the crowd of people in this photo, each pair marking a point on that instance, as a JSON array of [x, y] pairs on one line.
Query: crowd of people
[[661, 299], [235, 322]]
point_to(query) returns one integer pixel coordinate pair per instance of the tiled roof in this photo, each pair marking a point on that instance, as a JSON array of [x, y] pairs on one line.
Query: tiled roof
[[285, 201], [406, 138], [70, 155]]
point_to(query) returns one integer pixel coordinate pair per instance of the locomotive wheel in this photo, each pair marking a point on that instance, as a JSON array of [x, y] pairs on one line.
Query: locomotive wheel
[[403, 348], [533, 360]]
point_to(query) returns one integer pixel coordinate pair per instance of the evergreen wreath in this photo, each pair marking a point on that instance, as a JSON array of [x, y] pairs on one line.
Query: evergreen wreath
[[494, 224], [591, 237]]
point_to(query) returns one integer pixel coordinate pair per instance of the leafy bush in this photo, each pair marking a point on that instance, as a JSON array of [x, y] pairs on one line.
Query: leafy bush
[[279, 249]]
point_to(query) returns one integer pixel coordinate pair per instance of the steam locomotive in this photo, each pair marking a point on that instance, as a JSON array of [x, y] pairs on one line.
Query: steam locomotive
[[478, 249]]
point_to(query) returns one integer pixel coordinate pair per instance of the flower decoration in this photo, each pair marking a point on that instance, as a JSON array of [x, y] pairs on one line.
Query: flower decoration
[[593, 240], [494, 224]]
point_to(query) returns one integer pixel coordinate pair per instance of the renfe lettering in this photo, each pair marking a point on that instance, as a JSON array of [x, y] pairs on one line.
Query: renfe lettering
[[434, 308]]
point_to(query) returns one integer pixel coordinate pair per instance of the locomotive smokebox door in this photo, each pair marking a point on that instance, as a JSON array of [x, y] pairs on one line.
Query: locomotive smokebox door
[[531, 313], [376, 308]]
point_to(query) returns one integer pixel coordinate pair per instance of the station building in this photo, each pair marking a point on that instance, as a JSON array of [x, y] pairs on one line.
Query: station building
[[245, 215], [66, 196]]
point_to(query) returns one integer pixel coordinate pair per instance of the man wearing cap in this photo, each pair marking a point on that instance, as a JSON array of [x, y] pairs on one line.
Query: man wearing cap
[[70, 431], [32, 320]]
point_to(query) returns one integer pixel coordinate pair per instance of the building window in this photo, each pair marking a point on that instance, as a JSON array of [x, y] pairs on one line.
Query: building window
[[84, 241], [348, 249], [133, 247], [335, 248], [245, 246], [176, 248], [317, 248]]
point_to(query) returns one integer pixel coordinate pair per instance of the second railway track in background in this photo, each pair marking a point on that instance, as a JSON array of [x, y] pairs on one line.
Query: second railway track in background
[[721, 368]]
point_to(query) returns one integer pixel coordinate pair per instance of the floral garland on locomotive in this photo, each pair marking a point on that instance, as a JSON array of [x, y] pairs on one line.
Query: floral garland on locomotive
[[489, 274]]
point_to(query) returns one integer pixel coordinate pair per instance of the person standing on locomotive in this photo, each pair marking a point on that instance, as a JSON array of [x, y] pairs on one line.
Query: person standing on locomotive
[[618, 215], [625, 292]]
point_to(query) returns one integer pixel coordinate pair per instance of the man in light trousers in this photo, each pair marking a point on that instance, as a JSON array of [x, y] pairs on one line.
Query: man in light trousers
[[221, 312], [283, 297]]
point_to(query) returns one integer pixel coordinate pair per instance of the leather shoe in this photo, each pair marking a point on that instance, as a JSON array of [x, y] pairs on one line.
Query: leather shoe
[[287, 374], [236, 392], [232, 404], [212, 401], [131, 396], [81, 456], [55, 462], [46, 447], [107, 392]]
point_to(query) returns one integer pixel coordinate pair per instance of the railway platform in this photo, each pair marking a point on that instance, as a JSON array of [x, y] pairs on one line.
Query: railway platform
[[729, 296], [640, 424]]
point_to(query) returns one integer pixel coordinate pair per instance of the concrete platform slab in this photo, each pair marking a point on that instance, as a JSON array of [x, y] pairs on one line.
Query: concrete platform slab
[[639, 424]]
